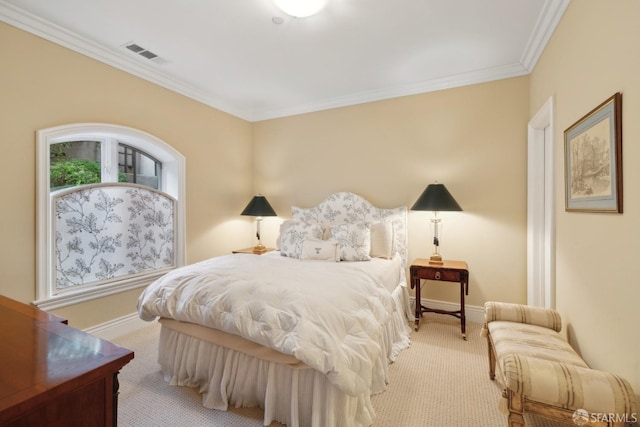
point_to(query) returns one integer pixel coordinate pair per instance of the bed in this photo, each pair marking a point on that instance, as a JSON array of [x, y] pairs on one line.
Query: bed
[[306, 332]]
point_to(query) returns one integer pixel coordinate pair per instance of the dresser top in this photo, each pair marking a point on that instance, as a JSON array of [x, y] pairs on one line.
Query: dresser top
[[40, 356]]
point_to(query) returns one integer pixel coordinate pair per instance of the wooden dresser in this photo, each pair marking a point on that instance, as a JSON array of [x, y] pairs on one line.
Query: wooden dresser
[[54, 375]]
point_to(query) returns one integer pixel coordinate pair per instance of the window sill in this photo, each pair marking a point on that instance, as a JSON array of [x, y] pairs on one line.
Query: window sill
[[83, 295]]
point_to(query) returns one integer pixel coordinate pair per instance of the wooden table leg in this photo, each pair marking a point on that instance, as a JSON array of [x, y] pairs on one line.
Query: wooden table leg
[[463, 320], [416, 283]]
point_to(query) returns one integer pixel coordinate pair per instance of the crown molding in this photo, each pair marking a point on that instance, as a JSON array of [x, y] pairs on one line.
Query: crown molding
[[26, 21], [459, 80], [551, 14]]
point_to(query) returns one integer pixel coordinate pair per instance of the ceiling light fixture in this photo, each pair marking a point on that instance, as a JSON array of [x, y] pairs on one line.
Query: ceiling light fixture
[[301, 8]]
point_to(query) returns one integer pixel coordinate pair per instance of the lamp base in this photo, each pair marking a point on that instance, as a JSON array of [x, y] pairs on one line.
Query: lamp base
[[436, 259], [259, 249]]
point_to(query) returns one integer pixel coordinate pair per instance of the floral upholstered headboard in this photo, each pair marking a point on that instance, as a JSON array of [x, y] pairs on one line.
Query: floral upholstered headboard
[[350, 208], [91, 221]]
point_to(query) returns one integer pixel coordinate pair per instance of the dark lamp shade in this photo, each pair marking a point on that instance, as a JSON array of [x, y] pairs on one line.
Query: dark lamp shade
[[436, 198], [259, 206]]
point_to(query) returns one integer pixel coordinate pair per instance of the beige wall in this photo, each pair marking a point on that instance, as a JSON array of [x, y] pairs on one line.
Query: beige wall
[[592, 55], [44, 85], [472, 139]]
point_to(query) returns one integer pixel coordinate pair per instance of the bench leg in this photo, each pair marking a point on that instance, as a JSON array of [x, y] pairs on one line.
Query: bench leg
[[515, 402], [492, 358]]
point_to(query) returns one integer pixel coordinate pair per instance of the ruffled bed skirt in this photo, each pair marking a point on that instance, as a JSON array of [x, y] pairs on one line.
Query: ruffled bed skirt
[[295, 395]]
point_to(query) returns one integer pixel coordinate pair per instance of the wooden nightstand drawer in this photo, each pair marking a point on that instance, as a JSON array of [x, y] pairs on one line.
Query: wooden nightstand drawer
[[439, 274]]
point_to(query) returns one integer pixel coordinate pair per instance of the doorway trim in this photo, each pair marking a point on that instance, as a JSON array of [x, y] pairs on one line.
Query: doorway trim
[[541, 208]]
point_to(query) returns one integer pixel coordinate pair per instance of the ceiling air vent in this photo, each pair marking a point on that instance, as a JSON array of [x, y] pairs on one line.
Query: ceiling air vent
[[136, 48], [148, 54]]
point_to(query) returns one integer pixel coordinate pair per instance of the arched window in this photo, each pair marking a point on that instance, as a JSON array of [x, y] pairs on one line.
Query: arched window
[[110, 213]]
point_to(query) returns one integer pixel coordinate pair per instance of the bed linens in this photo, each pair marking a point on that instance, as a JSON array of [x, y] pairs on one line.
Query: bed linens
[[276, 301]]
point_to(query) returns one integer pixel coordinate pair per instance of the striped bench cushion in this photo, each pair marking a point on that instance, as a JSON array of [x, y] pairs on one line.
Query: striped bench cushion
[[532, 341]]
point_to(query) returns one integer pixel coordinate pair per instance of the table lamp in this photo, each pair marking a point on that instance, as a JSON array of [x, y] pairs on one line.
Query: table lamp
[[436, 198], [259, 207]]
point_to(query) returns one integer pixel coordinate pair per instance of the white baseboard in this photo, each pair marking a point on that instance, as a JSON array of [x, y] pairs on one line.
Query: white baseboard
[[117, 327], [473, 313]]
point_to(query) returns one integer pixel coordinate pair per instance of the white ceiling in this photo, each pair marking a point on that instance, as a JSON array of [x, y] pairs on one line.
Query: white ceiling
[[229, 54]]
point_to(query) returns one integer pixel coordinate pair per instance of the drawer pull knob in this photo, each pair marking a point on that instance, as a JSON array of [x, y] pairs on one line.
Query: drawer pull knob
[[437, 275]]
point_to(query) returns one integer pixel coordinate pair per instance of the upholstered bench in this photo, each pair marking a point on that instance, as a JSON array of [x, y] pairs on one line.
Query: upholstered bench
[[542, 374]]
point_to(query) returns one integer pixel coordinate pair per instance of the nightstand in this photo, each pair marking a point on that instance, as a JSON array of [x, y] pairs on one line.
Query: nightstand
[[250, 251], [448, 271]]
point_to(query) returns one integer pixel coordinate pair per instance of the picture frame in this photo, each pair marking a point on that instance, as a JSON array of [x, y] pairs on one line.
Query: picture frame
[[593, 160]]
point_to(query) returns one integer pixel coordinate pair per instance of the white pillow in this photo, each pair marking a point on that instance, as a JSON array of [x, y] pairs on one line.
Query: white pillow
[[325, 250], [354, 241], [381, 240], [293, 234]]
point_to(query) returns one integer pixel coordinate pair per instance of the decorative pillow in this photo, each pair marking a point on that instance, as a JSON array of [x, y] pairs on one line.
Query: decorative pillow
[[381, 240], [325, 250], [293, 233], [283, 229], [354, 241]]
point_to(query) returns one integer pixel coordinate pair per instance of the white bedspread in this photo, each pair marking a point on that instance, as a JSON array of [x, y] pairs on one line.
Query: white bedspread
[[330, 316]]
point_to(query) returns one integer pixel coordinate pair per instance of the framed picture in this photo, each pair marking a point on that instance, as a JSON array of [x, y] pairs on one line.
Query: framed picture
[[593, 160]]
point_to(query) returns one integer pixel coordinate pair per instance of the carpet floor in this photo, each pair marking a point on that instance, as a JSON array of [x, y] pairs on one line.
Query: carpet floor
[[440, 381]]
